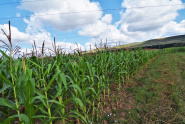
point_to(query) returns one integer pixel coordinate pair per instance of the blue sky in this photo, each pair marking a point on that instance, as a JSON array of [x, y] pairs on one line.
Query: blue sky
[[87, 21]]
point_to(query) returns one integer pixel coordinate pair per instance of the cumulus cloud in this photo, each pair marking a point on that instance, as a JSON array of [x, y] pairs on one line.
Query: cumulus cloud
[[139, 22], [149, 18], [94, 30], [103, 29], [107, 18], [62, 14], [19, 38], [142, 20], [173, 28]]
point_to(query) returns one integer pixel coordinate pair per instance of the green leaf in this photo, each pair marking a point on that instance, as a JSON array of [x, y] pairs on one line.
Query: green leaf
[[47, 71], [54, 101], [53, 118], [80, 103], [35, 64], [36, 75], [42, 81], [43, 110], [59, 92], [19, 80], [4, 88], [39, 116], [5, 102], [63, 77], [29, 91], [28, 74], [6, 80], [40, 94], [67, 100], [32, 80], [16, 65], [51, 81], [123, 72], [22, 116], [5, 54], [22, 95], [4, 60], [80, 115], [40, 98], [3, 113], [92, 89], [77, 87]]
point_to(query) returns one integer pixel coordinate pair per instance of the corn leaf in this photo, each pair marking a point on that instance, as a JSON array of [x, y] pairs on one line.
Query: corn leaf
[[35, 64], [16, 65], [4, 60], [5, 102], [6, 80], [3, 113], [29, 90], [36, 75], [8, 57], [22, 116], [51, 81], [39, 116], [54, 101], [4, 88], [80, 103], [40, 98], [63, 78], [80, 115], [47, 71], [77, 87], [40, 94], [53, 118]]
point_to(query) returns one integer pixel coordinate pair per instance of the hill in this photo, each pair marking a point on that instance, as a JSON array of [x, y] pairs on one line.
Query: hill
[[173, 41], [159, 43]]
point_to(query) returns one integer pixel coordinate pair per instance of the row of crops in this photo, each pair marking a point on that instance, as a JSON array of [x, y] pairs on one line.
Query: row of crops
[[69, 88]]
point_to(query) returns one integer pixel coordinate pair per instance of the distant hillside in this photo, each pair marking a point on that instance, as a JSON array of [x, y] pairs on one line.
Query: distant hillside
[[162, 42]]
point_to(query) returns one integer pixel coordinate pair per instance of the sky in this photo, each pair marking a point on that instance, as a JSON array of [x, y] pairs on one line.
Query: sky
[[81, 23]]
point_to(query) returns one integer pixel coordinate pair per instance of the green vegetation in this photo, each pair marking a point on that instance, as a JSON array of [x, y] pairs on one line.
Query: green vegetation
[[63, 87], [78, 88], [155, 95]]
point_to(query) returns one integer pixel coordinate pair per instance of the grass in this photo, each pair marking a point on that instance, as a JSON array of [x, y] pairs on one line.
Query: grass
[[155, 95]]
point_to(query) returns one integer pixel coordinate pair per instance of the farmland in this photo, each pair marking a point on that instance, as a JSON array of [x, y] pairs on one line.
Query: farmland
[[70, 88], [78, 88], [154, 95]]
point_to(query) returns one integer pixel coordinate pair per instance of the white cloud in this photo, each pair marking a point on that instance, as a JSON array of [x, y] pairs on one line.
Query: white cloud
[[94, 30], [63, 14], [103, 30], [28, 39], [173, 28], [107, 18], [137, 24], [149, 18], [17, 36]]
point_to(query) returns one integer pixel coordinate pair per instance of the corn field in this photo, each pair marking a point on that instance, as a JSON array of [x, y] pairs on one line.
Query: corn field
[[67, 88]]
